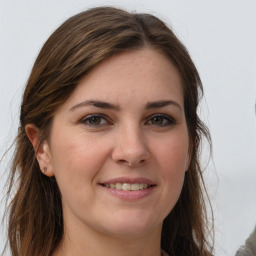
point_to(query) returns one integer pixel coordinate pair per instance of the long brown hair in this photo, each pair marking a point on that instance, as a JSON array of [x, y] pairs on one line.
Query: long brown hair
[[73, 50]]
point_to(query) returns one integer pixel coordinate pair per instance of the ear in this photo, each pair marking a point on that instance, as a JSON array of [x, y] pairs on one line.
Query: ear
[[187, 162], [42, 150], [188, 158]]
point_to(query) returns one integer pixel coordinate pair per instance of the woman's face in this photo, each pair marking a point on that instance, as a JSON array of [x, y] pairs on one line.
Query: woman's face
[[119, 146]]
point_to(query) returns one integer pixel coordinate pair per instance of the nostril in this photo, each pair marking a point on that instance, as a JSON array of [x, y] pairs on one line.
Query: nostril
[[130, 149], [131, 163]]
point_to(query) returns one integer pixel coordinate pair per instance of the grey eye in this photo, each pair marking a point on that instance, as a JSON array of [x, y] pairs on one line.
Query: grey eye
[[94, 120], [157, 120], [161, 120]]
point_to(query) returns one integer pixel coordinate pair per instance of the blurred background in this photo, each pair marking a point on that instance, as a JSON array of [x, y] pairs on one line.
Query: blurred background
[[221, 38]]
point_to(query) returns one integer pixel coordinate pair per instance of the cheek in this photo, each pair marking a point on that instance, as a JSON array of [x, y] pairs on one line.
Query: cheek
[[173, 170], [172, 154], [76, 162], [172, 157], [75, 155]]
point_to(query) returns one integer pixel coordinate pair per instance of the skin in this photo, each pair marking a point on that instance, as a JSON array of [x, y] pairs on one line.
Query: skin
[[127, 141]]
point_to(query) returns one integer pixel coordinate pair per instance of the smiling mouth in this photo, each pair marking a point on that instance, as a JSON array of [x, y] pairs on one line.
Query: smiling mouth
[[128, 186]]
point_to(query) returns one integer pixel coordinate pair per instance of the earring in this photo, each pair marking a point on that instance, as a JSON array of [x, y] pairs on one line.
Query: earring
[[45, 169]]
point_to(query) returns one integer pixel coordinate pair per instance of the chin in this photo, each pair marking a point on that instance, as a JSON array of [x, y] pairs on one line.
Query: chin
[[129, 231], [132, 225]]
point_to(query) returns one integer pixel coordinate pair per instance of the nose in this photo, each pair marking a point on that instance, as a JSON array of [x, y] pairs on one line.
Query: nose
[[130, 147]]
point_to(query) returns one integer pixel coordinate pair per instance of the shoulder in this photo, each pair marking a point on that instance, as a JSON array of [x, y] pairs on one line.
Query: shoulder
[[249, 249]]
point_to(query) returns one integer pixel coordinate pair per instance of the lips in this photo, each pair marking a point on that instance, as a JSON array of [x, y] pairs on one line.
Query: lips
[[127, 188]]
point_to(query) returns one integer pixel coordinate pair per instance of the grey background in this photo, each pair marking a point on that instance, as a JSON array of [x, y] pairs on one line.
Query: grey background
[[221, 38]]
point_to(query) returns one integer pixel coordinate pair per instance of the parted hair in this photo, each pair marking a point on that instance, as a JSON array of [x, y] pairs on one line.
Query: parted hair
[[82, 42]]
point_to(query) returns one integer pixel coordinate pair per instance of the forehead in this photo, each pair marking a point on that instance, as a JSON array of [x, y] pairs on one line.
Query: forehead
[[133, 75]]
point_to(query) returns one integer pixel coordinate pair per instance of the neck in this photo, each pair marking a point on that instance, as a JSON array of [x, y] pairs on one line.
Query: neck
[[93, 243]]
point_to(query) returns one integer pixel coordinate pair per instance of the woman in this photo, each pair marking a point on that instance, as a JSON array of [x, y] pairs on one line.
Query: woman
[[107, 159]]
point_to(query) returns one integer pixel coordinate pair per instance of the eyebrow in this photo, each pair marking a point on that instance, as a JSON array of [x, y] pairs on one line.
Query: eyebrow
[[96, 103], [162, 103], [107, 105]]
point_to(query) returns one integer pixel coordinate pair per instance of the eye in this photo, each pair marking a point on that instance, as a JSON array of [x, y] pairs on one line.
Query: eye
[[161, 120], [94, 120]]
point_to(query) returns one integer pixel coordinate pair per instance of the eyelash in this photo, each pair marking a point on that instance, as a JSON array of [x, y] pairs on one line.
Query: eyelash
[[89, 118], [168, 121]]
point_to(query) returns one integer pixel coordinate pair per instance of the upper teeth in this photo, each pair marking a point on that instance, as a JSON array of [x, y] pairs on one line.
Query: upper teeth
[[127, 186]]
